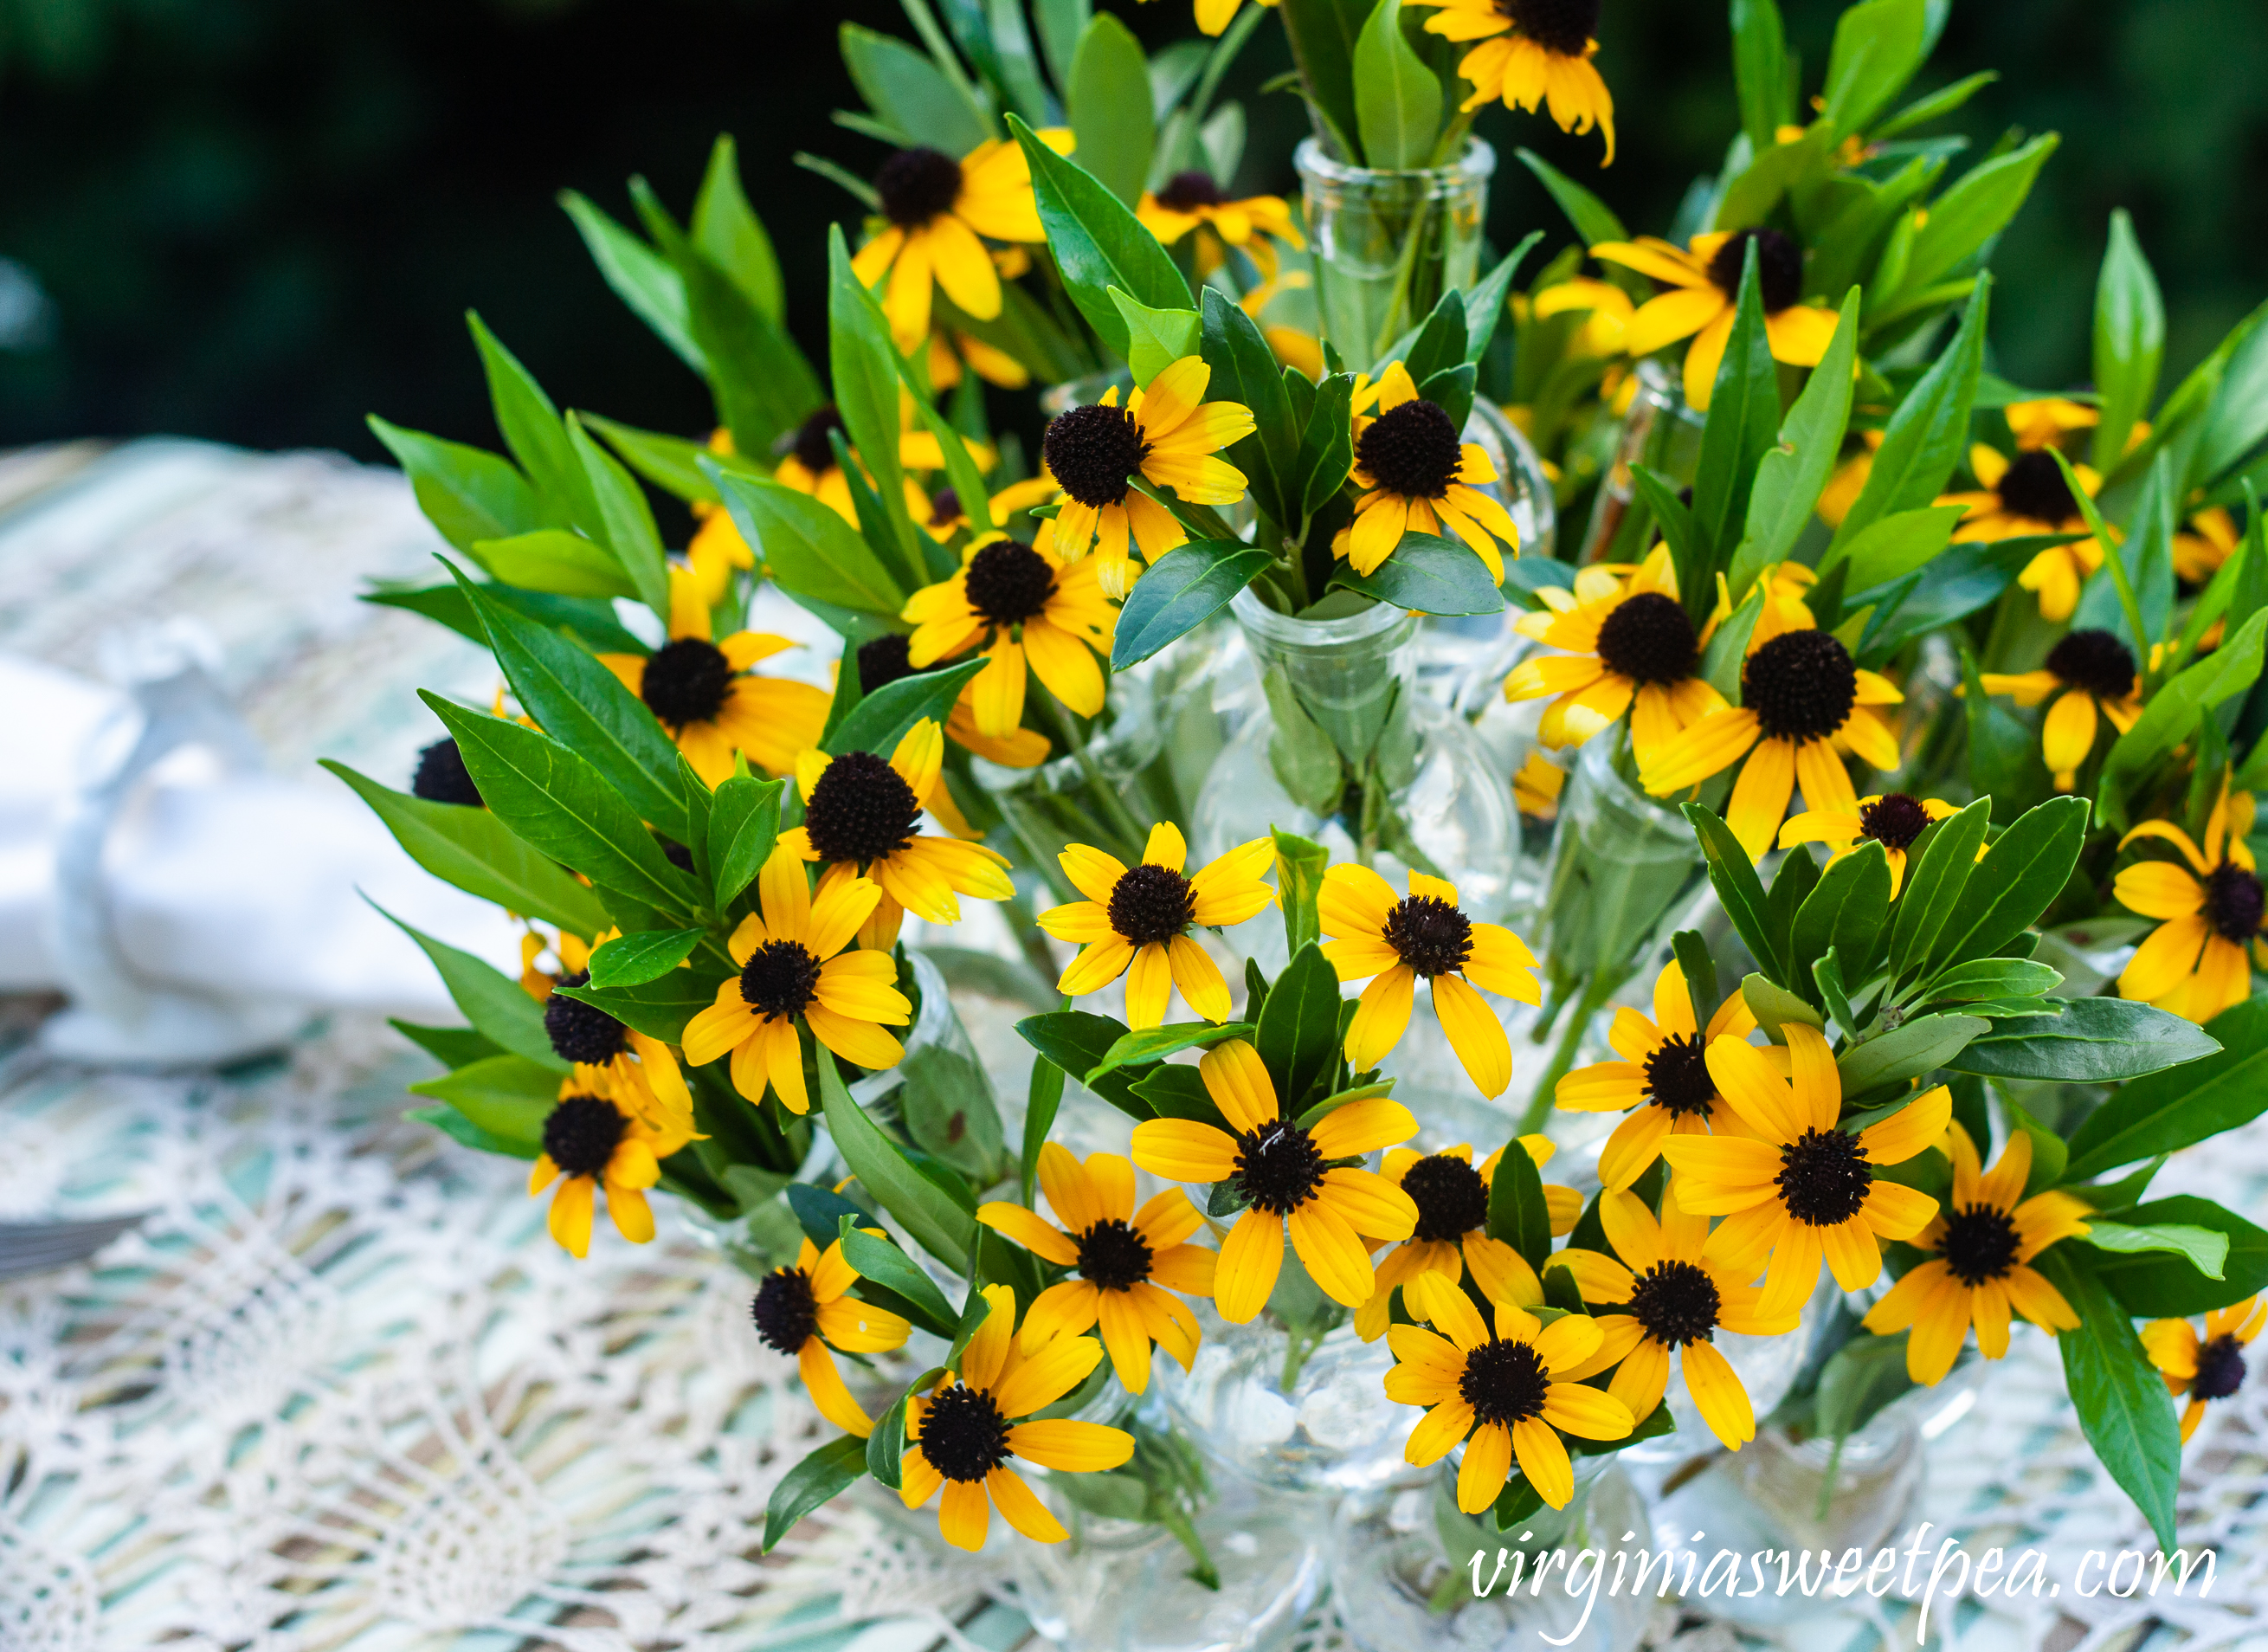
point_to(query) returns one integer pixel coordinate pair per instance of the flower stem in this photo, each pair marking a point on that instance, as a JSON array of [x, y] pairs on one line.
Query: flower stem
[[1132, 837], [1600, 989]]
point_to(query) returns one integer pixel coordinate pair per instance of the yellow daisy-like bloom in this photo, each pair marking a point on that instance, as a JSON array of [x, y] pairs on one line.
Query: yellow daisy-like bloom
[[1424, 933], [1213, 16], [808, 464], [1785, 608], [2089, 672], [1293, 346], [1802, 702], [1630, 647], [1850, 480], [1135, 922], [1121, 1257], [572, 951], [962, 1434], [888, 659], [1979, 1269], [1451, 1234], [2209, 541], [1507, 1393], [1193, 198], [1663, 1077], [935, 208], [862, 818], [1893, 820], [994, 366], [1018, 603], [1167, 435], [1795, 1187], [808, 1311], [704, 693], [2198, 961], [948, 514], [2205, 1368], [1705, 296], [1678, 1299], [792, 967], [1535, 789], [1416, 477], [1283, 1172], [2027, 495], [1609, 308], [590, 1141], [615, 1061], [2045, 421], [1532, 52]]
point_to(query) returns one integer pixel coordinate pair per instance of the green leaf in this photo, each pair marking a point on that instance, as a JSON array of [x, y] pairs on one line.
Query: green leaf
[[2151, 1284], [1108, 99], [1593, 222], [1878, 46], [1974, 210], [1921, 1046], [1794, 471], [555, 800], [1299, 868], [2130, 340], [1155, 1044], [1176, 1090], [1844, 912], [883, 1264], [2049, 1154], [1518, 1213], [1326, 447], [670, 463], [640, 277], [1427, 574], [2120, 1397], [2184, 1105], [468, 495], [1760, 71], [1484, 300], [477, 853], [2204, 1249], [886, 1447], [825, 1474], [1934, 106], [451, 1046], [506, 1097], [499, 1007], [1857, 1380], [1733, 876], [2095, 1041], [763, 385], [1938, 870], [635, 959], [1298, 1033], [1077, 1041], [1774, 1006], [807, 549], [1891, 547], [728, 231], [2019, 877], [1397, 100], [1156, 338], [743, 827], [1324, 34], [924, 1209], [866, 392], [555, 561], [2171, 715], [1927, 436], [531, 428], [658, 1009], [884, 717], [1982, 978], [1244, 370], [1742, 423], [1183, 589], [1043, 1098], [1098, 243], [464, 1133], [908, 91], [625, 521]]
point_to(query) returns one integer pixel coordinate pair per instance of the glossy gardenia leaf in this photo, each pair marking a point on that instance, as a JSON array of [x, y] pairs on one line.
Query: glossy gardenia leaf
[[1078, 1041], [2130, 340], [1921, 1046], [1938, 870], [2193, 1103], [1183, 589], [469, 495], [1518, 1213], [926, 1212], [1843, 912], [743, 826], [1326, 447], [531, 429], [658, 1009], [1928, 434], [1298, 1030], [1398, 99], [829, 1471], [2017, 880], [555, 561], [880, 1262], [1098, 243], [499, 1007], [506, 1097], [1982, 980], [633, 960], [884, 717], [1427, 574], [1733, 876], [2093, 1041], [808, 549], [1244, 371], [1792, 473], [1155, 1044], [1108, 103], [2172, 713], [2119, 1394], [1299, 868], [1156, 338], [2155, 1286], [2204, 1249]]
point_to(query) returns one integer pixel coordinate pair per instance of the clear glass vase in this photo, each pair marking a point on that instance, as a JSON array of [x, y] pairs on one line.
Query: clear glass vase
[[1659, 430], [1625, 868], [1403, 1570], [1388, 244]]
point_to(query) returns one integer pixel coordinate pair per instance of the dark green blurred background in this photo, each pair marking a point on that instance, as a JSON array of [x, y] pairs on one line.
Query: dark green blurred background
[[256, 220]]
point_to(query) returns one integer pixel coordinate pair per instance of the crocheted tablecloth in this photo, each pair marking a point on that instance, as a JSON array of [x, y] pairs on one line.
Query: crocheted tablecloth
[[339, 1389]]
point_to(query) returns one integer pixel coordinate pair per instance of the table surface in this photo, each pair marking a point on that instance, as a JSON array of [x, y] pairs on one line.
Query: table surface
[[340, 1390]]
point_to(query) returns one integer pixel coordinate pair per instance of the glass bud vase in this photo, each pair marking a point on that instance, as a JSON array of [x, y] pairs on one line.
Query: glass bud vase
[[1659, 430], [1624, 868], [1388, 244]]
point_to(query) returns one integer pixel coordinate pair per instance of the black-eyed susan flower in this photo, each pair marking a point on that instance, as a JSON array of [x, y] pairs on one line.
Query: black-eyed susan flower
[[2093, 677], [1018, 605], [1663, 1080], [1395, 941], [1676, 1300], [1213, 16], [441, 777], [808, 1312], [712, 704], [1892, 819], [589, 1142], [794, 969], [1121, 1257], [949, 512], [862, 818], [1536, 786], [2198, 962], [2199, 549], [1287, 1176], [947, 356], [1532, 52], [1135, 922], [1607, 308], [888, 659], [615, 1061], [1504, 1391], [1194, 199], [2045, 421], [1452, 1238], [1786, 588], [1166, 434], [2017, 497], [1798, 1187], [1630, 647], [935, 208], [1803, 701], [808, 464], [962, 1434], [1704, 299], [1416, 477], [2207, 1368], [1981, 1247]]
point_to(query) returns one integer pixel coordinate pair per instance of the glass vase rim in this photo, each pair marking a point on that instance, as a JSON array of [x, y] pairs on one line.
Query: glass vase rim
[[1375, 623], [1475, 164]]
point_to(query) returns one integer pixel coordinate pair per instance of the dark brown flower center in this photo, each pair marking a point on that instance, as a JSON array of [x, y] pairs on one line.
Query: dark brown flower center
[[945, 508], [1676, 1302], [1779, 267], [780, 979], [785, 1311], [1431, 936], [686, 680], [441, 776], [2220, 1369], [1452, 1199], [1151, 904], [1008, 583], [2233, 903], [1894, 820], [1824, 1178], [1564, 26], [1112, 1254], [883, 661], [1801, 686], [1677, 1077], [581, 1134], [1648, 638], [1412, 450], [1185, 190], [1278, 1167], [1504, 1382], [2033, 486], [963, 1434], [860, 810], [1091, 451], [917, 184], [1979, 1243], [2093, 660], [809, 443], [580, 1031]]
